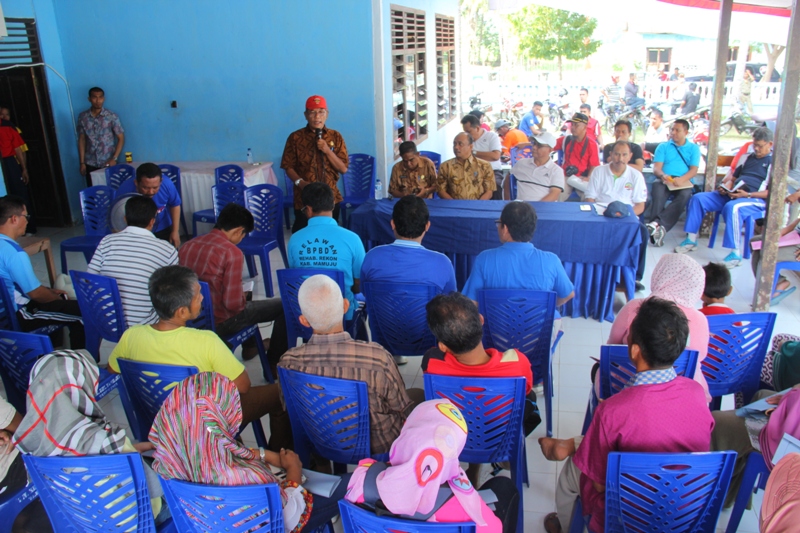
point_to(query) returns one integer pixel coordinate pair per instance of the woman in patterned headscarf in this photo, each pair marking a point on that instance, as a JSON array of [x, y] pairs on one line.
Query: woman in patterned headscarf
[[194, 435], [679, 279]]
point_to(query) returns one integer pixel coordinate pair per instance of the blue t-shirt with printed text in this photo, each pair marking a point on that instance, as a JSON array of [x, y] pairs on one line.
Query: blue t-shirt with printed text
[[324, 244]]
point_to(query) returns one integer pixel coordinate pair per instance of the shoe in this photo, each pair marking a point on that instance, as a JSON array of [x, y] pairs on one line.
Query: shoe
[[657, 238], [732, 260], [250, 353], [781, 295], [651, 229], [686, 246], [639, 286], [400, 359]]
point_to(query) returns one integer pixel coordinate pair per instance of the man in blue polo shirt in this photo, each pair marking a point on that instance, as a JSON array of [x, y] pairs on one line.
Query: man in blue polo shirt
[[148, 182], [531, 123], [675, 164], [518, 264], [37, 306], [742, 194], [323, 244]]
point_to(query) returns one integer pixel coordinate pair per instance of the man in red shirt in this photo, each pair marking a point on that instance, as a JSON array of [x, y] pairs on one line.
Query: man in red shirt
[[215, 259], [458, 327], [581, 154], [15, 168]]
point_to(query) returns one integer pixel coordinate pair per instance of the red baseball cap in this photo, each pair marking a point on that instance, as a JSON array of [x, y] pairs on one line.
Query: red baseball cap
[[316, 102]]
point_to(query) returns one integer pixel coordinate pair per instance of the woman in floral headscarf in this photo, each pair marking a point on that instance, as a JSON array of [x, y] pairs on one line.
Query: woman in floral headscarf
[[423, 462], [679, 279], [194, 435]]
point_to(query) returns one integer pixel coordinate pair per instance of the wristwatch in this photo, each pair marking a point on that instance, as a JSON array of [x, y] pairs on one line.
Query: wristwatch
[[261, 454], [297, 183]]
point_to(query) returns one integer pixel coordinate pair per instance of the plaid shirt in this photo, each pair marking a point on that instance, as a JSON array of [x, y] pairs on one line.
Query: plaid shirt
[[339, 356], [652, 377], [219, 263]]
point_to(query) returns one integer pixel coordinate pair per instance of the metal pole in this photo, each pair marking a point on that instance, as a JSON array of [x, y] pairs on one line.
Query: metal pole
[[780, 166], [717, 101]]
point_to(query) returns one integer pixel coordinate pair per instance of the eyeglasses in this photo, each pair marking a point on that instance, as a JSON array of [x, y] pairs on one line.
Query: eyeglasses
[[316, 112], [498, 223]]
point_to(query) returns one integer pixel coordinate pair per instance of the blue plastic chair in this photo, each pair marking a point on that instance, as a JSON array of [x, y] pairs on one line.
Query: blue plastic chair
[[101, 309], [174, 174], [223, 174], [784, 265], [737, 346], [397, 319], [358, 520], [265, 202], [119, 174], [522, 150], [95, 206], [523, 320], [288, 200], [493, 408], [616, 369], [358, 183], [210, 508], [433, 156], [663, 492], [221, 195], [328, 415], [289, 281], [749, 229], [11, 504], [206, 321], [513, 184], [755, 477], [8, 315], [99, 493]]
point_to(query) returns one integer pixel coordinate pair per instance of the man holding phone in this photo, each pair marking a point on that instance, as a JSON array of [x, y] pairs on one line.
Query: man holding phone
[[741, 194]]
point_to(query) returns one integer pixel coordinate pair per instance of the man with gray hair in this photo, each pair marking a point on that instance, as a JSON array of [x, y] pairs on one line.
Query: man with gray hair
[[742, 194], [331, 352]]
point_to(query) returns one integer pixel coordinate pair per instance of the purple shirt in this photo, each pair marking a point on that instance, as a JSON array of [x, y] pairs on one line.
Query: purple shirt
[[101, 135], [667, 417]]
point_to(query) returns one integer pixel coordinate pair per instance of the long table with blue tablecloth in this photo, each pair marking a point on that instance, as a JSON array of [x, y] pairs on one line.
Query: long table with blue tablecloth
[[597, 252]]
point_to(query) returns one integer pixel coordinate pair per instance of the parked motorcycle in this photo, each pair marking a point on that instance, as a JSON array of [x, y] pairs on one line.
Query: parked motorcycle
[[559, 111], [744, 124], [475, 100], [512, 109], [636, 116]]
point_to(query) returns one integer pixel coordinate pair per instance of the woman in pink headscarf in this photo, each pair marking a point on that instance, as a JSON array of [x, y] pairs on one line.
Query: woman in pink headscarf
[[680, 279], [780, 511], [423, 462]]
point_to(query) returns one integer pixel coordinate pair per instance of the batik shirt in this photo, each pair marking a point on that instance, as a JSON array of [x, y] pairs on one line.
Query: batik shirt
[[466, 180], [101, 135], [301, 155]]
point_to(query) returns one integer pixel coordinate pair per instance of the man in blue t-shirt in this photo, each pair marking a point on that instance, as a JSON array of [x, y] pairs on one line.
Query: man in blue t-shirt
[[323, 244], [148, 182], [674, 164], [741, 195], [518, 264], [531, 123], [36, 306]]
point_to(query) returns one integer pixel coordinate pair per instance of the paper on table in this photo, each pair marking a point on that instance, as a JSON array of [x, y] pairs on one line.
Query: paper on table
[[600, 208], [757, 408], [790, 239], [788, 444], [320, 484]]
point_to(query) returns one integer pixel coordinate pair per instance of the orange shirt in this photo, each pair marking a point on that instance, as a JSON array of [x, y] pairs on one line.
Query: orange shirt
[[513, 138]]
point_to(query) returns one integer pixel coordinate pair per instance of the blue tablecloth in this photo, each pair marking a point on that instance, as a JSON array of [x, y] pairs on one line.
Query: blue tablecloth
[[597, 252]]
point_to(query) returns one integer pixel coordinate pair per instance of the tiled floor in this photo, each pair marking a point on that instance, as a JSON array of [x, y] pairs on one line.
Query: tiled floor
[[571, 368]]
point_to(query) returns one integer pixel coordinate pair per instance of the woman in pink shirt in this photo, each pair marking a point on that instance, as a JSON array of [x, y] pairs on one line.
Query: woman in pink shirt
[[679, 279], [424, 460]]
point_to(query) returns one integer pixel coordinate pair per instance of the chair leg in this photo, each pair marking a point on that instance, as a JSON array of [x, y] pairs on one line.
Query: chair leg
[[749, 229], [93, 341], [64, 262], [578, 523], [282, 248], [548, 403], [517, 478], [525, 463], [258, 431], [88, 255], [286, 218], [251, 266], [755, 467], [262, 354], [266, 272], [713, 237], [194, 228], [183, 225]]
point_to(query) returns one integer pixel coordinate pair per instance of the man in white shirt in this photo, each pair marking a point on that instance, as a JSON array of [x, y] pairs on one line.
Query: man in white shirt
[[620, 182], [539, 179], [131, 256], [657, 132], [486, 146]]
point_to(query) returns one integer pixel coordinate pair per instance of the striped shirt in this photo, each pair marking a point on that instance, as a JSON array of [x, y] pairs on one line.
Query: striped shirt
[[338, 356], [131, 256]]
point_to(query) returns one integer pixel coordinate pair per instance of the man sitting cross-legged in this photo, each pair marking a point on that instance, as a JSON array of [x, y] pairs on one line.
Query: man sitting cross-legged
[[176, 297], [131, 256], [656, 412], [332, 353], [458, 327]]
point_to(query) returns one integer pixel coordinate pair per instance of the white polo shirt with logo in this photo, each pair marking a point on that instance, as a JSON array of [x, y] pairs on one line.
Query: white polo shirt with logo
[[605, 187]]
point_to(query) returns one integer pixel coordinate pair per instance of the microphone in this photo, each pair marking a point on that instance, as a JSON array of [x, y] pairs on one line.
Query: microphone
[[319, 133]]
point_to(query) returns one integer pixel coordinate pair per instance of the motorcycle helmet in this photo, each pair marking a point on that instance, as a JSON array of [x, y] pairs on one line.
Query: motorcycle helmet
[[562, 93]]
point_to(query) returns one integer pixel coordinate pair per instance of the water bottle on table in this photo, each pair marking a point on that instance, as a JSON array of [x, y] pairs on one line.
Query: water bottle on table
[[378, 190], [249, 156]]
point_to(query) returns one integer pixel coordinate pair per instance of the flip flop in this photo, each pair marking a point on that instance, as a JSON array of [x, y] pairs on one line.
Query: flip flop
[[782, 295], [552, 524]]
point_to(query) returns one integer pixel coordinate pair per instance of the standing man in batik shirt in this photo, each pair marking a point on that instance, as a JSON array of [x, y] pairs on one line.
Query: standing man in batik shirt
[[314, 154], [100, 136]]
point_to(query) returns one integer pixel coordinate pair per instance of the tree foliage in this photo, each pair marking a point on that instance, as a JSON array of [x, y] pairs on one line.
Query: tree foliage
[[484, 40], [547, 33]]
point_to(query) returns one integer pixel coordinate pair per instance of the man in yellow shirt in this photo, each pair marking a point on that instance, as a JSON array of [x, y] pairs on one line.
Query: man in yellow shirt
[[465, 177], [175, 293]]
